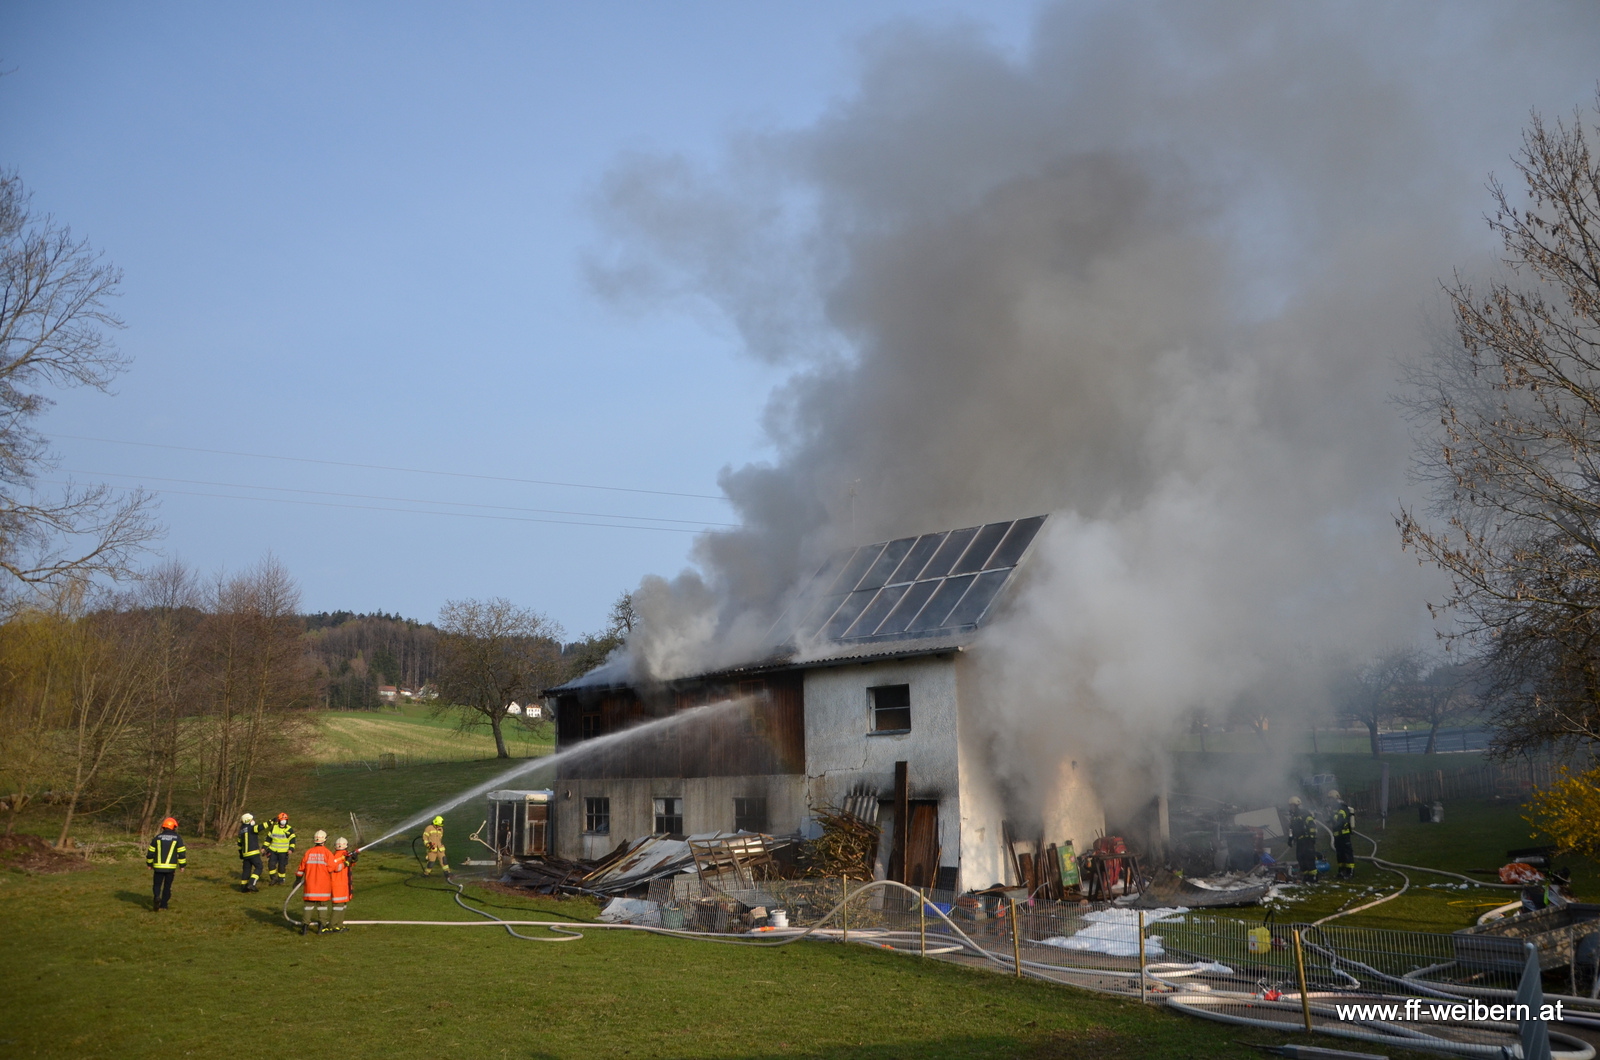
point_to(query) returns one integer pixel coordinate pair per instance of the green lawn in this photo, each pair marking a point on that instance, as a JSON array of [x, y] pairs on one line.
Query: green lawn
[[412, 734], [1476, 834], [91, 971]]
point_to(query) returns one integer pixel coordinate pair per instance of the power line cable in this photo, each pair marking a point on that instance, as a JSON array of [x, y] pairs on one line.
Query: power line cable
[[386, 467], [407, 511], [401, 500]]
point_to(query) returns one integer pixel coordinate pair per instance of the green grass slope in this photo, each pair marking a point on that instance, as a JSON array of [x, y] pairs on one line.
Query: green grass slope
[[92, 972], [412, 735]]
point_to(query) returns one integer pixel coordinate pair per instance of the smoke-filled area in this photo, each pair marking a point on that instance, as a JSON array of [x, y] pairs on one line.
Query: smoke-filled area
[[1156, 274]]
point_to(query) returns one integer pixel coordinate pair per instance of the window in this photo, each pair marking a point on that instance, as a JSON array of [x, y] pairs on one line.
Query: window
[[597, 815], [891, 708], [591, 721], [750, 814], [669, 816]]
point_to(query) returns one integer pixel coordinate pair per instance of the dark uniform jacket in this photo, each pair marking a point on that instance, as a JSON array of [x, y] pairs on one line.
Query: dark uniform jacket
[[249, 840], [167, 852]]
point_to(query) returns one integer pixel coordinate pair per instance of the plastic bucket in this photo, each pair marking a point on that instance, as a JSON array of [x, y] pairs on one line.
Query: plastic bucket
[[672, 917]]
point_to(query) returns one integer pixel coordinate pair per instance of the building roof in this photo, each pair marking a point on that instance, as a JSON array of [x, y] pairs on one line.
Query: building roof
[[911, 596]]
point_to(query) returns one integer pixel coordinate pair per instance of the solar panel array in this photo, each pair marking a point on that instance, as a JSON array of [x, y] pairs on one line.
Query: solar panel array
[[913, 586]]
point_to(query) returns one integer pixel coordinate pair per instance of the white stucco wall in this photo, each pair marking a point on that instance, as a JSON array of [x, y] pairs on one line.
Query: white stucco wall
[[1071, 808], [844, 756], [707, 807]]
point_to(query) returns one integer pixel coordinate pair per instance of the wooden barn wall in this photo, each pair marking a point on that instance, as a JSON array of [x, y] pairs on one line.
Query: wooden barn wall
[[763, 737]]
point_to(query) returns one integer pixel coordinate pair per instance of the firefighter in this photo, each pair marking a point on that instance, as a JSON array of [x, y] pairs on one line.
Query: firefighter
[[340, 867], [249, 852], [316, 873], [1303, 833], [280, 844], [166, 856], [433, 840], [1344, 826]]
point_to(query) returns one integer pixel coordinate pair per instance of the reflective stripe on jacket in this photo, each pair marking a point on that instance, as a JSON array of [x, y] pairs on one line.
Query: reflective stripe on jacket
[[1344, 820], [340, 873], [433, 837], [249, 840], [280, 838], [316, 870], [1303, 826], [167, 853]]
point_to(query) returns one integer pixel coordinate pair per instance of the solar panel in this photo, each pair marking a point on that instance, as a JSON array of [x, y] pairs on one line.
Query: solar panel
[[916, 559], [980, 549], [955, 543], [878, 575], [944, 601], [922, 586]]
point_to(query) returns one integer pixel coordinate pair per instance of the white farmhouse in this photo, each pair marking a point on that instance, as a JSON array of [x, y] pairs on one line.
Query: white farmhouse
[[872, 701]]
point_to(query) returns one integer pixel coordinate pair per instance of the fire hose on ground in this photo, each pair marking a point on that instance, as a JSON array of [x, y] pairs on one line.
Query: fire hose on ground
[[950, 938]]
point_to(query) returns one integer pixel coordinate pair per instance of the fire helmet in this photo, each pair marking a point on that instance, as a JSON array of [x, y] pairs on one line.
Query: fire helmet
[[248, 818], [1333, 795], [320, 837], [341, 843], [1294, 800], [283, 817], [170, 823], [438, 820]]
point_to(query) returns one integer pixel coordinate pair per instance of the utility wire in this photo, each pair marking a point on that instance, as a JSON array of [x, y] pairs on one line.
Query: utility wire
[[400, 500], [385, 467], [408, 511]]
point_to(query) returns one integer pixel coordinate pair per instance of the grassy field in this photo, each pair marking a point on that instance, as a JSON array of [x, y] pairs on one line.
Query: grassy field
[[1476, 834], [412, 736], [92, 972]]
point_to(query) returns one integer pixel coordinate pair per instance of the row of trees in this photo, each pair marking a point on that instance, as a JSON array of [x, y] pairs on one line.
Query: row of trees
[[1398, 687], [179, 693], [176, 693]]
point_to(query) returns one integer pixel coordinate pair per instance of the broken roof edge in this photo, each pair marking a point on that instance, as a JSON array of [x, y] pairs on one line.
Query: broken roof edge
[[853, 654]]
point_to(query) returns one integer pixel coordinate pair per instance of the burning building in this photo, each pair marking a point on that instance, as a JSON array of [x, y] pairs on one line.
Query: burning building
[[867, 697]]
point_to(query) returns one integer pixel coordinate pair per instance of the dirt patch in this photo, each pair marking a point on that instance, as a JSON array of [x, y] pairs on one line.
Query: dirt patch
[[33, 854]]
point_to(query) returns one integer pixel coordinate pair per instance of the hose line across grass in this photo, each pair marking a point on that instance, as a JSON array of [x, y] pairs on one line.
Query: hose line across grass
[[950, 938]]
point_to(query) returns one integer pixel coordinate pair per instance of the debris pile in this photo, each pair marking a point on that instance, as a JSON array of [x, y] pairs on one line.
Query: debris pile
[[847, 847]]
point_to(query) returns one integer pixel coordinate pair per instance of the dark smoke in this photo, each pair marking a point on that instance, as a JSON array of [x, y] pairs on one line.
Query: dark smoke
[[1154, 275]]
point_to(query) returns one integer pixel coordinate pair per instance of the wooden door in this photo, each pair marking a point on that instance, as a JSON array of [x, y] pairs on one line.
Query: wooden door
[[922, 844]]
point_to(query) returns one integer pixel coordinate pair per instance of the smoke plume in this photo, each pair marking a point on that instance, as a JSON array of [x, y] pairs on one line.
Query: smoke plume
[[1154, 274]]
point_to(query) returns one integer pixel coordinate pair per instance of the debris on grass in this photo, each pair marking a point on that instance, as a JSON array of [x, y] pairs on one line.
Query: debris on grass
[[32, 853]]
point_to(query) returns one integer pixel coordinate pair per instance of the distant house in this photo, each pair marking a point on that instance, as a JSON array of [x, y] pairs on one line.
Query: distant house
[[387, 693], [406, 693], [514, 708]]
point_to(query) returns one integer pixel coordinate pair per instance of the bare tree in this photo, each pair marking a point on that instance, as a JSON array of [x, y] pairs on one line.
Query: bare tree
[[490, 654], [54, 324], [168, 602], [1446, 693], [1515, 455], [255, 669], [1377, 690]]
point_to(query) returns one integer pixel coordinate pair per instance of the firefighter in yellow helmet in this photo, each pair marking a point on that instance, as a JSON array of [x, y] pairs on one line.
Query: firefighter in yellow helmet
[[433, 841], [1343, 828]]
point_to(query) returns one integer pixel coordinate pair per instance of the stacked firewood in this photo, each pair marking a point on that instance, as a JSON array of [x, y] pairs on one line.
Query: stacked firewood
[[847, 847]]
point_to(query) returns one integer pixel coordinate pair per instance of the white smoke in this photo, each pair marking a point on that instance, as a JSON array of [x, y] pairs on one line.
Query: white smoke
[[1154, 276]]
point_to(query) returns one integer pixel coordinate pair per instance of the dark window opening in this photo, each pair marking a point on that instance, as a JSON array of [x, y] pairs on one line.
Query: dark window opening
[[750, 814], [597, 815], [591, 722], [669, 817], [891, 708]]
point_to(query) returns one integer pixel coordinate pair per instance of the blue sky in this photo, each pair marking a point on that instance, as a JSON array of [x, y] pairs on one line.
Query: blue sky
[[355, 234]]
